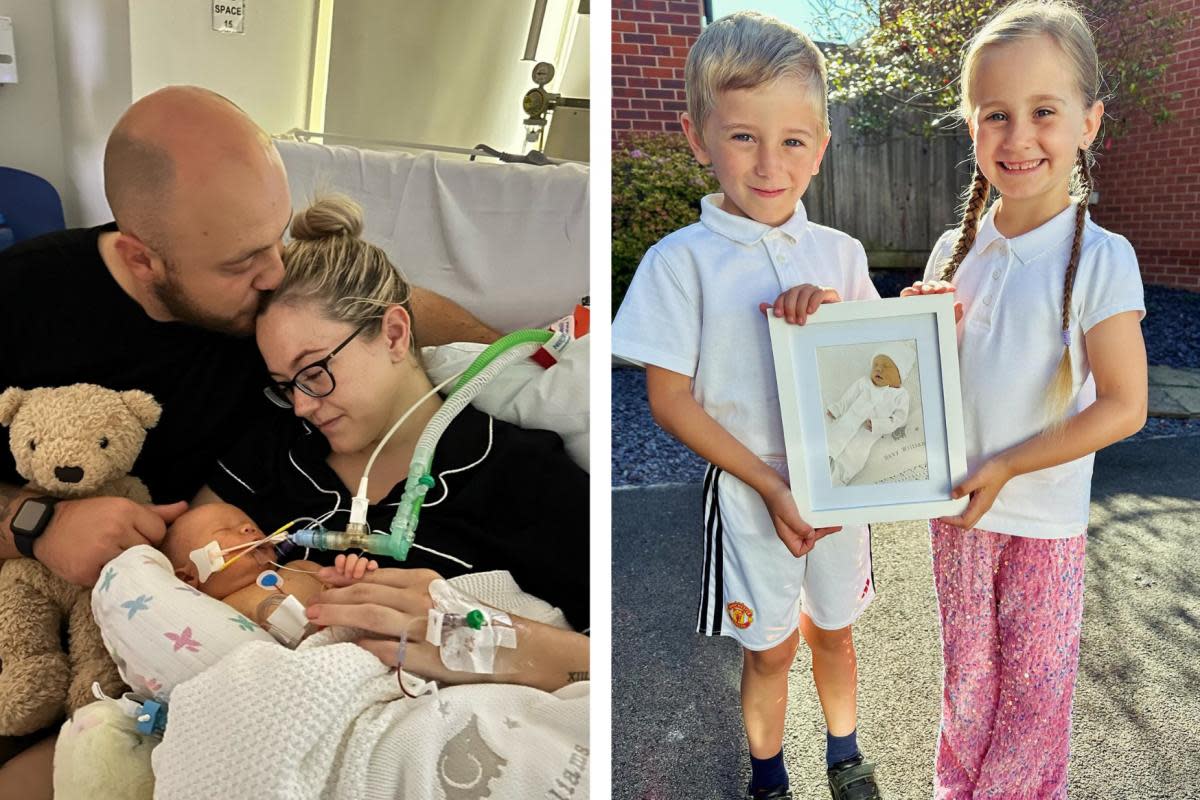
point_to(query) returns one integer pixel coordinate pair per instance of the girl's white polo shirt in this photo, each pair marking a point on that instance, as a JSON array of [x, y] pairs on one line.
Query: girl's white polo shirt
[[692, 308], [1010, 343]]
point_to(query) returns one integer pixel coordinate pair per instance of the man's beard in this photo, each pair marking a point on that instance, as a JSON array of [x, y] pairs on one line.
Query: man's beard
[[173, 297]]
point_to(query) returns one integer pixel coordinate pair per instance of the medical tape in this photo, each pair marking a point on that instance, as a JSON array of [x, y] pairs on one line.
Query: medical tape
[[466, 632], [564, 332], [287, 623], [208, 559]]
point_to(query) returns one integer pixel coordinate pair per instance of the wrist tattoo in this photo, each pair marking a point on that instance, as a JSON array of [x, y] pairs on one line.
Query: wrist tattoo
[[576, 677]]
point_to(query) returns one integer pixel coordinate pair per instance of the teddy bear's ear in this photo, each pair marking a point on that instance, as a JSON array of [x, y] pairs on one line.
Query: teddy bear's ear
[[10, 402], [144, 407]]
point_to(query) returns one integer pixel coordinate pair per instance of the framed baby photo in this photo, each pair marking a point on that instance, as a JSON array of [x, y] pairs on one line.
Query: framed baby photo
[[872, 410]]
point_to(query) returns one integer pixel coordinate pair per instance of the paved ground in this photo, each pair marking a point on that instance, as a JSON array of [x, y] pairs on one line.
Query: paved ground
[[676, 724], [1174, 392]]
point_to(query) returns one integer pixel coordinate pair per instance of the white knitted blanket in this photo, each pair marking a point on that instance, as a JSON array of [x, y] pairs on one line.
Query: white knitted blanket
[[328, 720]]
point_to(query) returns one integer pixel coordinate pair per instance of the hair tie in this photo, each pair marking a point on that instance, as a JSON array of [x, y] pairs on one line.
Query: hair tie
[[1066, 337]]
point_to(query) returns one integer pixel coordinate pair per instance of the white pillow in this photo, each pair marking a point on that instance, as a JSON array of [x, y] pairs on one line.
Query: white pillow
[[525, 394]]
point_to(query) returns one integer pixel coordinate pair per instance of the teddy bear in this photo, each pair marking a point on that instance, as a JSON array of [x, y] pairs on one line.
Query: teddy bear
[[102, 753], [68, 442]]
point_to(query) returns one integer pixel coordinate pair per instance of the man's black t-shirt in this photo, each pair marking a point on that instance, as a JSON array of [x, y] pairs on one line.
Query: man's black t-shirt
[[520, 504], [64, 319]]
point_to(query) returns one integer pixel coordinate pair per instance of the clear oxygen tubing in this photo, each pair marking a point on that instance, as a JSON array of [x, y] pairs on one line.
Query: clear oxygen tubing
[[486, 366]]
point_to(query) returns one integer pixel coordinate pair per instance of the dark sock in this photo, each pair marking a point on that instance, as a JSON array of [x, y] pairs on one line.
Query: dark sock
[[840, 748], [767, 773]]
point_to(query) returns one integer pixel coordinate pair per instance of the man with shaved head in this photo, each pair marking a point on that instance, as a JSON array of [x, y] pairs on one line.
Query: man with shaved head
[[163, 299], [200, 200]]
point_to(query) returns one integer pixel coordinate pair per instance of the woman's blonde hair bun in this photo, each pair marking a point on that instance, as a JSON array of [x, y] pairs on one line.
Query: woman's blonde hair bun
[[329, 264], [333, 215]]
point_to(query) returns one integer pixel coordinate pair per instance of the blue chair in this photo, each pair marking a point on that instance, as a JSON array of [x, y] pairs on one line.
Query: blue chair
[[30, 204]]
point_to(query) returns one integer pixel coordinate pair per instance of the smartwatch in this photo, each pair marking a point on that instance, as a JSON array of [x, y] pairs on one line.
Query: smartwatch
[[30, 522]]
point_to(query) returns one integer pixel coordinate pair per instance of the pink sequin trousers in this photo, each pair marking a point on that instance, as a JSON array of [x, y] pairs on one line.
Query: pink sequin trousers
[[1010, 609]]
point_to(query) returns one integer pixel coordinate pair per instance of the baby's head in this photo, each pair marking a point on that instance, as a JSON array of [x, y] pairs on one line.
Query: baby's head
[[884, 372], [757, 112], [226, 525]]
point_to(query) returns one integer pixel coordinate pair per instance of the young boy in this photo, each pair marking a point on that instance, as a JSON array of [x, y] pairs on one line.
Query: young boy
[[694, 316]]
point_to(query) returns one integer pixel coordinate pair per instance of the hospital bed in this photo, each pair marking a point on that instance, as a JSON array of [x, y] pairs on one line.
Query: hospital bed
[[509, 242]]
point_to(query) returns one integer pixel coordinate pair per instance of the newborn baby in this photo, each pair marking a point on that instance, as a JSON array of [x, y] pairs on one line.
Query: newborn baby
[[236, 583], [873, 407]]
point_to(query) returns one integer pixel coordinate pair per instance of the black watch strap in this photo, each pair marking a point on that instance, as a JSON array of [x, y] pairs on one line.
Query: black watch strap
[[30, 522]]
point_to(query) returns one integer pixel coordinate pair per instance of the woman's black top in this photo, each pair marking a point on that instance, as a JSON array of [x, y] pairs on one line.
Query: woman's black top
[[523, 508]]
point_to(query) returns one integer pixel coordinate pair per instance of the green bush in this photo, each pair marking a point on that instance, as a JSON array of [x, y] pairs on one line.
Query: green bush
[[656, 189]]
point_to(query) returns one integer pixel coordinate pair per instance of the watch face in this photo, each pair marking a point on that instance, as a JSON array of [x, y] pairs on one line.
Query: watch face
[[28, 515], [543, 73]]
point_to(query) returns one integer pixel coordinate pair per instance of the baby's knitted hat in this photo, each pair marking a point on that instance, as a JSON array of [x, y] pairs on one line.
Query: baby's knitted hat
[[903, 355]]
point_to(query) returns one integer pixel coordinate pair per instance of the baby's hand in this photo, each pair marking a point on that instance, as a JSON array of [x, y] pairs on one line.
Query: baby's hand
[[933, 287], [798, 302], [348, 568]]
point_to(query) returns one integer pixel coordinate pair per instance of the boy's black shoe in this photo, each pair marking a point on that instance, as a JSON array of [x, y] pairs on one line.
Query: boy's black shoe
[[853, 779], [774, 793]]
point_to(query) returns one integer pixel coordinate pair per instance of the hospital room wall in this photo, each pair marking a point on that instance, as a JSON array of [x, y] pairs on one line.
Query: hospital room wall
[[30, 114], [82, 62], [447, 73], [267, 70], [576, 73], [91, 42]]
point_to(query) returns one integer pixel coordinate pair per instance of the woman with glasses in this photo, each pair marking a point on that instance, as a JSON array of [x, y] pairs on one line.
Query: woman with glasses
[[336, 339]]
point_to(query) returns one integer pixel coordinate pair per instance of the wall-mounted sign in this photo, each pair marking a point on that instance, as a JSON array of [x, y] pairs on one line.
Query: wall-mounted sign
[[229, 17]]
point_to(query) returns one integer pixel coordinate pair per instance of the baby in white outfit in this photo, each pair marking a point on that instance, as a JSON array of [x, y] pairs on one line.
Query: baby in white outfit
[[873, 407]]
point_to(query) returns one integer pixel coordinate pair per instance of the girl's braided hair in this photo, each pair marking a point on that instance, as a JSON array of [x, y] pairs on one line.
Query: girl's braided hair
[[1066, 27]]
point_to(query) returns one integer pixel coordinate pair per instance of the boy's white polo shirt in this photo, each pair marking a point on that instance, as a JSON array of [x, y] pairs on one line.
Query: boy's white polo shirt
[[692, 308], [1010, 343]]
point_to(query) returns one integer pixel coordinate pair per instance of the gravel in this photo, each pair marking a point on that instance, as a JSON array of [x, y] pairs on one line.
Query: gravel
[[642, 454]]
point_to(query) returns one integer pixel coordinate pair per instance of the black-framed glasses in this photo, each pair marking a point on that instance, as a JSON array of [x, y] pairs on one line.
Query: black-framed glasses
[[315, 380]]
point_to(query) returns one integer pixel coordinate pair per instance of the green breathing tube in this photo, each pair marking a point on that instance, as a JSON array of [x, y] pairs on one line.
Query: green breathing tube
[[488, 364], [536, 335]]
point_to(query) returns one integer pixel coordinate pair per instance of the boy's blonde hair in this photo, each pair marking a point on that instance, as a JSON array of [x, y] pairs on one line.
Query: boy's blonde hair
[[1064, 25], [327, 263], [748, 49]]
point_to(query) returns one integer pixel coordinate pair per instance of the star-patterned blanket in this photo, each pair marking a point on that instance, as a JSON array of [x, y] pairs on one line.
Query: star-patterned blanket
[[159, 630]]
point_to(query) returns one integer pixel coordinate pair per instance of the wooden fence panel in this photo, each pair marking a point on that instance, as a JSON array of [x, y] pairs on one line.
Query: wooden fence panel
[[896, 196]]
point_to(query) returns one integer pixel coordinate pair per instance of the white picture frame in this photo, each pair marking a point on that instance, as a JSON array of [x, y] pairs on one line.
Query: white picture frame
[[859, 466]]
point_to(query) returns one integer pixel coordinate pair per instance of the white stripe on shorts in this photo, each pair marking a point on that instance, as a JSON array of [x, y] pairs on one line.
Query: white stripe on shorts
[[712, 594]]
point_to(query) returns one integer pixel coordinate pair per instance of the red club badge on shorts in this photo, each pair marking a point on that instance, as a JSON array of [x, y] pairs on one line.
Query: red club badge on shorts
[[740, 614]]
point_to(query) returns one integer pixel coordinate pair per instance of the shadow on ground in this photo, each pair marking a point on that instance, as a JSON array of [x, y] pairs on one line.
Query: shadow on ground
[[677, 729]]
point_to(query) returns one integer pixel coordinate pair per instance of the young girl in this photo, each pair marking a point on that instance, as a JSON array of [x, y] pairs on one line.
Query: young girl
[[1053, 369]]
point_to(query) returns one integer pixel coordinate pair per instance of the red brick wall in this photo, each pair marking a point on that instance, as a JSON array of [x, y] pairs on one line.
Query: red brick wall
[[1149, 178], [650, 41]]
